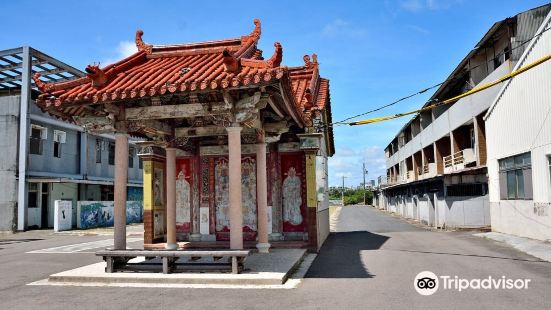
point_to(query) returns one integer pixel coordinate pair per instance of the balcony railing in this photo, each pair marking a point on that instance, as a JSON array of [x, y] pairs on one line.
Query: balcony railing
[[459, 160], [428, 171], [410, 176]]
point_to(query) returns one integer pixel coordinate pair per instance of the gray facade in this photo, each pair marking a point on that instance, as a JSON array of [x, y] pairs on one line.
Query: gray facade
[[61, 162]]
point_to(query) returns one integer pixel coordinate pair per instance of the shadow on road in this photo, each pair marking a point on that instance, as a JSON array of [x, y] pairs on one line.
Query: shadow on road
[[340, 256]]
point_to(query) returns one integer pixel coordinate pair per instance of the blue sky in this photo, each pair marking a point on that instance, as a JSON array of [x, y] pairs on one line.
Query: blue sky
[[372, 51]]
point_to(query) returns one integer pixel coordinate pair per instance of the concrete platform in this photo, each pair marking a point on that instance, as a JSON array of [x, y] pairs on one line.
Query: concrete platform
[[536, 248], [260, 269]]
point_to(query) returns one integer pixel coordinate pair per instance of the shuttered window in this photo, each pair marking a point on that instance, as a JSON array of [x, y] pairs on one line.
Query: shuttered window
[[515, 177]]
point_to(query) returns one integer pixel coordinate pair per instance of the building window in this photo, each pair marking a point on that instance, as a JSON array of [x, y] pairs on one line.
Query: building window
[[473, 138], [57, 149], [473, 189], [111, 153], [515, 177], [140, 163], [38, 134], [130, 157], [59, 139], [98, 151], [32, 195], [502, 57]]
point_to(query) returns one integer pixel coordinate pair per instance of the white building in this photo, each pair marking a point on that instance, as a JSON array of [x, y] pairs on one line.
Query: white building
[[518, 127]]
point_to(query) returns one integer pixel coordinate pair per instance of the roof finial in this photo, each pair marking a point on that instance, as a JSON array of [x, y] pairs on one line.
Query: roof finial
[[315, 58], [140, 43], [277, 57], [307, 62], [256, 32], [97, 76], [44, 87]]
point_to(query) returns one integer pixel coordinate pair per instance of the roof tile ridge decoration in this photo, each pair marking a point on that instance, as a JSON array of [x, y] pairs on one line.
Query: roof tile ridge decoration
[[141, 45], [274, 61], [248, 42], [48, 88], [311, 92]]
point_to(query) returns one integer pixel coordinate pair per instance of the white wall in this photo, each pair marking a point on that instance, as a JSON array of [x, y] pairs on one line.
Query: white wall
[[467, 212], [424, 210], [520, 121]]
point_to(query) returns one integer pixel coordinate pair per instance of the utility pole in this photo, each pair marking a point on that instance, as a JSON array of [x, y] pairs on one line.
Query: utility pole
[[342, 192], [365, 193]]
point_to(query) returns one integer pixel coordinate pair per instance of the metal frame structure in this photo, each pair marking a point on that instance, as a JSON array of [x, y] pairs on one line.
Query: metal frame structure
[[17, 66], [13, 64]]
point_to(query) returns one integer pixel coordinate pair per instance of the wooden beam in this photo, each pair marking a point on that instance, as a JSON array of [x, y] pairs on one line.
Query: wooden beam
[[205, 131], [201, 131], [165, 112], [159, 127]]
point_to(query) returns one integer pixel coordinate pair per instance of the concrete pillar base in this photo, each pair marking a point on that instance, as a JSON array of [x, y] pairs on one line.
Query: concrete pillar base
[[171, 246], [263, 247], [195, 237]]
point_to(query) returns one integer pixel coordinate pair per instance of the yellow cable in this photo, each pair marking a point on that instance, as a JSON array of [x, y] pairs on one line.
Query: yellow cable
[[463, 95]]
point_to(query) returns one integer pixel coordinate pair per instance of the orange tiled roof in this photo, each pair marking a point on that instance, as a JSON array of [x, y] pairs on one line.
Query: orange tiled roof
[[160, 69]]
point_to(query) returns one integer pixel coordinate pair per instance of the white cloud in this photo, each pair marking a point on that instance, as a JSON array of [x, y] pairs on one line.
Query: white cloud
[[432, 5], [123, 50], [349, 163], [340, 28]]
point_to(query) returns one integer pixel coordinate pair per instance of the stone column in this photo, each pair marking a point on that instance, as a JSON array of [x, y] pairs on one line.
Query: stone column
[[121, 179], [171, 199], [196, 199], [236, 212], [262, 196], [311, 200]]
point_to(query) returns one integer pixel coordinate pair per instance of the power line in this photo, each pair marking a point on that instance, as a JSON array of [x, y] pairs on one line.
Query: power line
[[497, 56], [455, 98]]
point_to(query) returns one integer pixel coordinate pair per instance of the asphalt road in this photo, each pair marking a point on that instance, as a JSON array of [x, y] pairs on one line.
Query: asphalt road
[[370, 262]]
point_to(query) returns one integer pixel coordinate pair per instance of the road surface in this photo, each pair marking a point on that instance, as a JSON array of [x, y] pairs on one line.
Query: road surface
[[369, 262]]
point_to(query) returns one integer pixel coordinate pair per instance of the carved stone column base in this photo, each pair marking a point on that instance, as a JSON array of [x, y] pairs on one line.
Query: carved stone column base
[[263, 247], [171, 246]]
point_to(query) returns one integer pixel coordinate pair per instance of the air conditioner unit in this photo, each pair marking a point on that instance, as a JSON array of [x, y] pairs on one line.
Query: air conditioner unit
[[60, 136]]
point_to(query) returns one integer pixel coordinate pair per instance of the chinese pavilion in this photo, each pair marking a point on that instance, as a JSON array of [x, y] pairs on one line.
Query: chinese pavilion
[[234, 146]]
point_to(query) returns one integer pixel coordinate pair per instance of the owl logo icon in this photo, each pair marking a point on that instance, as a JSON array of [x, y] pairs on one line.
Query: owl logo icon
[[426, 283]]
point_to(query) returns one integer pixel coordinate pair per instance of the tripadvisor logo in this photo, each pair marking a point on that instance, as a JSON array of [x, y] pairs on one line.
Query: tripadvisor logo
[[427, 283]]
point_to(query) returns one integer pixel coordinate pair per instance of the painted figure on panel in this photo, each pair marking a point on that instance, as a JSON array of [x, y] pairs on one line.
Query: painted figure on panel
[[248, 193], [222, 200], [158, 187], [183, 191], [292, 198], [158, 225]]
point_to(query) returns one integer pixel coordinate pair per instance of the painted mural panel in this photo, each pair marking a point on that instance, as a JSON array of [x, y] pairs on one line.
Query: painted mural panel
[[221, 197], [92, 214], [158, 187], [183, 195], [134, 193], [134, 212], [248, 195], [158, 224], [293, 192]]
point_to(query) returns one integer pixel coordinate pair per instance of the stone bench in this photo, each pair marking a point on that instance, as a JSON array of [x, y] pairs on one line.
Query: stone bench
[[117, 260]]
